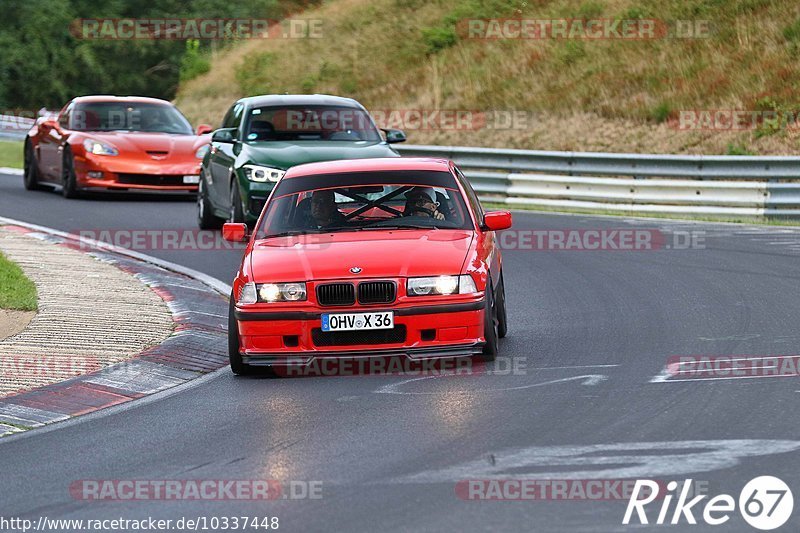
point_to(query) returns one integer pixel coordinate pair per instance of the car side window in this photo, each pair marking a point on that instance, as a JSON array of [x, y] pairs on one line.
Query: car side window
[[227, 118], [234, 117], [64, 119], [474, 202]]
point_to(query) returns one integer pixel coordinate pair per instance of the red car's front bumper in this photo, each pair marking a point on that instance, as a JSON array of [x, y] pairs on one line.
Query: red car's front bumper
[[422, 332], [134, 174]]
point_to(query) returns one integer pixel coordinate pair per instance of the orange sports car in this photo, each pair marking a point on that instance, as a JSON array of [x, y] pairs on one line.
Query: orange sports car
[[113, 142]]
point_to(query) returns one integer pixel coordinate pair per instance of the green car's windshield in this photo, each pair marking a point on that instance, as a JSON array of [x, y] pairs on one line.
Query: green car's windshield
[[129, 116], [310, 123]]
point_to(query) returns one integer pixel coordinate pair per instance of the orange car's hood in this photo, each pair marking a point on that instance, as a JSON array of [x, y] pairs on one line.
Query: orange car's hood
[[379, 254], [140, 142]]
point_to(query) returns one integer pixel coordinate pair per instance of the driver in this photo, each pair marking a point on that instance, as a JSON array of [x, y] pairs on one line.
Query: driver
[[151, 120], [324, 212], [421, 201]]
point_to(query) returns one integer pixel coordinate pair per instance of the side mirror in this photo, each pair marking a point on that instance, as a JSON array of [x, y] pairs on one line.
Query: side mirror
[[234, 232], [394, 136], [49, 124], [497, 220], [224, 135], [202, 129]]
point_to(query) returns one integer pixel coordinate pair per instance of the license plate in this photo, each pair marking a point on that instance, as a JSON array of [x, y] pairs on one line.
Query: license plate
[[191, 180], [357, 321]]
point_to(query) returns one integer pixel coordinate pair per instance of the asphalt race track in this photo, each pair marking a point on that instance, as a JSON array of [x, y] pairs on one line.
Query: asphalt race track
[[591, 333]]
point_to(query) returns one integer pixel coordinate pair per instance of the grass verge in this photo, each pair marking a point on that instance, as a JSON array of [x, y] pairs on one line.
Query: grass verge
[[606, 94], [17, 292], [11, 154]]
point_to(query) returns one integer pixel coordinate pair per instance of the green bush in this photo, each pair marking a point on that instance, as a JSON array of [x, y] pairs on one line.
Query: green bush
[[194, 63], [661, 113], [439, 38], [738, 149]]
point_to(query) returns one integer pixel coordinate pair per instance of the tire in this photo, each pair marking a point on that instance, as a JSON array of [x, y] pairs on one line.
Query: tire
[[502, 313], [490, 325], [234, 355], [31, 172], [69, 183], [205, 214], [237, 212]]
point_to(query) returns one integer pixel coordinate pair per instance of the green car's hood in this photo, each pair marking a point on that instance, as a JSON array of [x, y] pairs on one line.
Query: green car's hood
[[285, 155]]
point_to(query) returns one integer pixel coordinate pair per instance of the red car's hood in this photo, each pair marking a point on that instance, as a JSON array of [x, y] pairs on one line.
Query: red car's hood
[[379, 254], [151, 142]]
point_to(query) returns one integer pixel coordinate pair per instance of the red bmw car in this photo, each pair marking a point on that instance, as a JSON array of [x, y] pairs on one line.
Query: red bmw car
[[112, 142], [368, 258]]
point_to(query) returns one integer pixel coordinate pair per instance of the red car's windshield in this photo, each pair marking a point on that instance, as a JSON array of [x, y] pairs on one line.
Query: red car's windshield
[[129, 116], [365, 201]]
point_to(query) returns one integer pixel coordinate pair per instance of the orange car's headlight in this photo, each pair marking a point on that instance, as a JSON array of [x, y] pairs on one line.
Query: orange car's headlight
[[99, 148]]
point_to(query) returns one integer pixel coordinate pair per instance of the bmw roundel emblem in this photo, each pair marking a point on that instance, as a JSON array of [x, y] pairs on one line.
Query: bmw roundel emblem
[[356, 270]]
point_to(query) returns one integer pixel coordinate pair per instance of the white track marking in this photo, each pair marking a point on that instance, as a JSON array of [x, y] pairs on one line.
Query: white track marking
[[724, 378], [621, 460], [571, 367], [665, 376], [662, 376], [588, 380]]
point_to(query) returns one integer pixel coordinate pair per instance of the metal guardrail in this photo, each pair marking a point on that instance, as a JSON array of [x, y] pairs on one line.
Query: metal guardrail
[[14, 127], [684, 184]]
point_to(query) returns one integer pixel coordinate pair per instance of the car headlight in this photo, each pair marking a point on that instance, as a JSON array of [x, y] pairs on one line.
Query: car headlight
[[99, 148], [261, 174], [441, 285], [201, 152], [251, 293], [282, 292]]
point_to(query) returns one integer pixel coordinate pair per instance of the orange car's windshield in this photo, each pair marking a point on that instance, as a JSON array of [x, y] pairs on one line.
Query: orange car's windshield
[[129, 116]]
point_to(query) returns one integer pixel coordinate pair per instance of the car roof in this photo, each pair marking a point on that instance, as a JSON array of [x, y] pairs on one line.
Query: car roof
[[381, 164], [299, 99], [111, 98]]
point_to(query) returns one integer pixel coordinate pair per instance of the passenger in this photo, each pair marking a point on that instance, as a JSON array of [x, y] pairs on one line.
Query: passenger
[[421, 202]]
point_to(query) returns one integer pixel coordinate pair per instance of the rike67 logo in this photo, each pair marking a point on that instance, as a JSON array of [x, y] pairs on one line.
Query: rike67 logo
[[765, 503]]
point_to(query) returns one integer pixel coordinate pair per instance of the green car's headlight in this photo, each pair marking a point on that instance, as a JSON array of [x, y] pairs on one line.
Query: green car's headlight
[[441, 285], [261, 174]]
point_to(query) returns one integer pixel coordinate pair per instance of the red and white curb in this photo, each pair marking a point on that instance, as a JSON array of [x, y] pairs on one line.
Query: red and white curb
[[199, 306]]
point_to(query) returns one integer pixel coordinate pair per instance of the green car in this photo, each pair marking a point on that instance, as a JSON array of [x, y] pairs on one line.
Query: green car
[[263, 136]]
